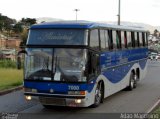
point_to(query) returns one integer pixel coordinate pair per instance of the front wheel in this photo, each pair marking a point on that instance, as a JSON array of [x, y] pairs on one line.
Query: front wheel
[[98, 95]]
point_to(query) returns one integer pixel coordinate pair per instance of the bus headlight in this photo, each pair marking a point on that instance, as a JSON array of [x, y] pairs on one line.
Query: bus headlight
[[77, 92], [28, 97], [78, 101]]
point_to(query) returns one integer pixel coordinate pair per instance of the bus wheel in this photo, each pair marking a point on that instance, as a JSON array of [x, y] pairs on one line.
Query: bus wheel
[[98, 95], [133, 82]]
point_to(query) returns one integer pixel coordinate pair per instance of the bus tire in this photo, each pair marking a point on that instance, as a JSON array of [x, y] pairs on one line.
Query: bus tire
[[135, 81], [98, 95], [132, 82]]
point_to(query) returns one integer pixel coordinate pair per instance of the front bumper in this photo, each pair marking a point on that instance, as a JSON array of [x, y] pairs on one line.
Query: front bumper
[[59, 99]]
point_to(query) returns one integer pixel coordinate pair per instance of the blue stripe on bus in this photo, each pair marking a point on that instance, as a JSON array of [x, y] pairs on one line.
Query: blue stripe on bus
[[59, 88], [115, 75]]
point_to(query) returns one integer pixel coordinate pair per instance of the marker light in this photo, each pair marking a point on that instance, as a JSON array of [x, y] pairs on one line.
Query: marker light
[[78, 101], [77, 92], [28, 97]]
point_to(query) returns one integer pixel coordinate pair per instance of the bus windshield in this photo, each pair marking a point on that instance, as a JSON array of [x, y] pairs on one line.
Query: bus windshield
[[57, 64], [57, 37]]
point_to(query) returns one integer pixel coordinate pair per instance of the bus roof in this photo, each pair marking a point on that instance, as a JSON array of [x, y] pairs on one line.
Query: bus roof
[[83, 25]]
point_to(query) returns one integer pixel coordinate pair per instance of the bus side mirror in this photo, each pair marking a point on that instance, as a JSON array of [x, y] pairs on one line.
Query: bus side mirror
[[19, 61]]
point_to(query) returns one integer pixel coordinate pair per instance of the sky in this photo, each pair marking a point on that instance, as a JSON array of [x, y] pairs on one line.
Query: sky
[[141, 11]]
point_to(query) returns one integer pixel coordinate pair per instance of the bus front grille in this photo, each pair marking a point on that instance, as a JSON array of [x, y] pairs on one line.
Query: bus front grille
[[52, 101]]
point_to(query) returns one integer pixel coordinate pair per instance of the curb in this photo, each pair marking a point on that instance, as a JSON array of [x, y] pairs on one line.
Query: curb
[[10, 90], [154, 106]]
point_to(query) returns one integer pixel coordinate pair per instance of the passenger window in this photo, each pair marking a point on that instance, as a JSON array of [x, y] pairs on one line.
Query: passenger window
[[94, 39], [143, 39], [107, 39], [114, 38], [146, 39], [122, 39], [140, 39], [133, 39], [103, 40], [125, 39], [110, 41], [129, 40], [118, 39]]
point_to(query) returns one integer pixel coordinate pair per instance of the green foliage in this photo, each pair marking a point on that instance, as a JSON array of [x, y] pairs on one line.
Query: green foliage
[[6, 23], [28, 21], [18, 28], [7, 64], [24, 36]]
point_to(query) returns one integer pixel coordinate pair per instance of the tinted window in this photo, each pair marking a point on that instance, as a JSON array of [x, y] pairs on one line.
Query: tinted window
[[129, 39], [118, 39], [133, 39], [125, 39], [146, 39], [110, 41], [114, 39], [107, 39], [104, 39], [57, 37], [122, 39], [136, 39], [94, 39], [143, 39], [140, 39], [138, 43]]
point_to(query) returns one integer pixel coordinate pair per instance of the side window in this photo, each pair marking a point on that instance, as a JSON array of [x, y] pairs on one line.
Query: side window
[[136, 39], [118, 39], [122, 39], [114, 38], [133, 39], [140, 39], [94, 39], [143, 39], [129, 43], [103, 40], [107, 39], [125, 39], [110, 41], [146, 39]]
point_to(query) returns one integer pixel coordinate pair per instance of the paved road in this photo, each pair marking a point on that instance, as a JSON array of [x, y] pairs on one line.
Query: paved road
[[139, 100]]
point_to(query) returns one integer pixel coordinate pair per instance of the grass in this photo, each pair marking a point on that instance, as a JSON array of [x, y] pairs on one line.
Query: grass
[[10, 78]]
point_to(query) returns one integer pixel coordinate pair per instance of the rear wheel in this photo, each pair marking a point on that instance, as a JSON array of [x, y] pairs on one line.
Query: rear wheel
[[133, 82], [98, 95]]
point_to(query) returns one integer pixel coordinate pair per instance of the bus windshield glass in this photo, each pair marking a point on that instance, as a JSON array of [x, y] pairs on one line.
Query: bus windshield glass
[[55, 64], [57, 37]]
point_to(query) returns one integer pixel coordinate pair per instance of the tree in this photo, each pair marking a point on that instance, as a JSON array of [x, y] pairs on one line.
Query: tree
[[6, 23], [28, 21], [24, 35], [18, 28]]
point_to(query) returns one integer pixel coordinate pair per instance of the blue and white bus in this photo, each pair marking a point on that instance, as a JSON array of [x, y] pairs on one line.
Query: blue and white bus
[[79, 63]]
